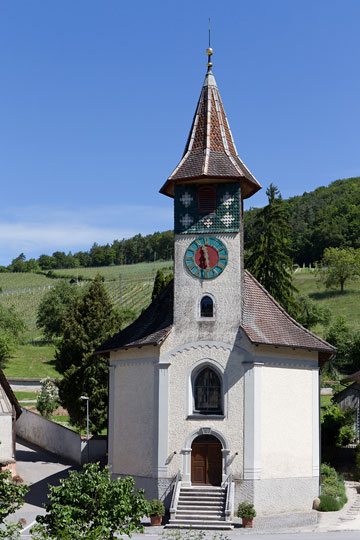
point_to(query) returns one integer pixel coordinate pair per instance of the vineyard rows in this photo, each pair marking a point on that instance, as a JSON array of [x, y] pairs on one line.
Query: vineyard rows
[[132, 292]]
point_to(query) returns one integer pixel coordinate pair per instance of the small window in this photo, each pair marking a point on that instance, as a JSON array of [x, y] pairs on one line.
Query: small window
[[207, 392], [206, 307], [207, 200]]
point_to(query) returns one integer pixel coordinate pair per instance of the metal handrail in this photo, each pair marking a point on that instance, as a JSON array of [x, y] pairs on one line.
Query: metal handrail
[[176, 492], [229, 501]]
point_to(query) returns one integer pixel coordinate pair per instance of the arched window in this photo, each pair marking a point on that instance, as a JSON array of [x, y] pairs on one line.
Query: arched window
[[206, 307], [207, 392], [206, 200]]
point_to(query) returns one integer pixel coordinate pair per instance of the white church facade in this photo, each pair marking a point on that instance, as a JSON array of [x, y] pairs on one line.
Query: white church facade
[[215, 386]]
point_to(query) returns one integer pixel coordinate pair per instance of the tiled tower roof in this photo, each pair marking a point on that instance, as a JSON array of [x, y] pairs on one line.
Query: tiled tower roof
[[210, 153]]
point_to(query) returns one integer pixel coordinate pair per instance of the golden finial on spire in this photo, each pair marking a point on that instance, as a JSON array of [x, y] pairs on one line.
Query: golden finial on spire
[[209, 51]]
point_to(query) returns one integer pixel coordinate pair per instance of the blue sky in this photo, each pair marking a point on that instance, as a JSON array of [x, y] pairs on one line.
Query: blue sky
[[97, 98]]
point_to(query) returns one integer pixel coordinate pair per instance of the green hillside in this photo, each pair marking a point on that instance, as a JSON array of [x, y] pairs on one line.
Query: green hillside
[[35, 359], [326, 217]]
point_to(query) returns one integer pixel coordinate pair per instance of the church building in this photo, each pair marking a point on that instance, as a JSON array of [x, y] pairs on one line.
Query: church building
[[214, 389]]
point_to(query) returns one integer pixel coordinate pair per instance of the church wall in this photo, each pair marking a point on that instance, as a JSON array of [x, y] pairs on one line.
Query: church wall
[[132, 437], [6, 446], [286, 433], [228, 360]]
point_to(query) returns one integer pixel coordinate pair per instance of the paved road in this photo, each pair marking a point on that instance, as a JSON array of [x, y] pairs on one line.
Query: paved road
[[37, 468]]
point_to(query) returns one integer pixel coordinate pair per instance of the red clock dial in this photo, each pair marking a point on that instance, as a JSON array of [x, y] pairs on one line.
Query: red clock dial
[[206, 257]]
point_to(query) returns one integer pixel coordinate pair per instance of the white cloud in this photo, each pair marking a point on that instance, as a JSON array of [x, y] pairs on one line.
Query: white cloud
[[35, 230]]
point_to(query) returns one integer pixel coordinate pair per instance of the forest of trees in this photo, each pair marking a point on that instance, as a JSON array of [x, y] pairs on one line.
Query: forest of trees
[[324, 218]]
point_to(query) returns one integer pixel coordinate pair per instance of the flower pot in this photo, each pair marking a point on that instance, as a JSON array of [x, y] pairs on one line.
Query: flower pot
[[155, 521], [247, 523]]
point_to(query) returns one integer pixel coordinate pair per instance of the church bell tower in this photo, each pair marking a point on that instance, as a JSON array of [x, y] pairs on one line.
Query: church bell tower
[[208, 187]]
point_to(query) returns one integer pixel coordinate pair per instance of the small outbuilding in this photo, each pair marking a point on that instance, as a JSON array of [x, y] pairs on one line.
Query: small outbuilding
[[349, 398], [10, 411]]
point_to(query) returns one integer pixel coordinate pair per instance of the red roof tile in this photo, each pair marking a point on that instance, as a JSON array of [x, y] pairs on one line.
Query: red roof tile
[[267, 323], [210, 151]]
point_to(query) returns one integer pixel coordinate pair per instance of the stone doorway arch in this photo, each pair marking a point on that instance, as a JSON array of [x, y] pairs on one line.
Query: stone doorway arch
[[187, 450]]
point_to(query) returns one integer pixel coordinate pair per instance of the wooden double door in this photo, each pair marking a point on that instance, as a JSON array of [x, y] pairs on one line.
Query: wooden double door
[[206, 462]]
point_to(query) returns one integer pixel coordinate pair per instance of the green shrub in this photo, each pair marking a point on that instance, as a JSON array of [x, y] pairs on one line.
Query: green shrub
[[333, 423], [346, 435], [357, 459], [246, 510], [329, 504], [333, 491], [156, 508]]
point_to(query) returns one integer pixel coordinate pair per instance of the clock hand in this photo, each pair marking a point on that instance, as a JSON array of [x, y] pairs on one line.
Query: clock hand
[[206, 256]]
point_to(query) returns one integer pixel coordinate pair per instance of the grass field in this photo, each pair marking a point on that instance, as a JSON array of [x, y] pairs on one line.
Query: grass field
[[346, 305], [114, 272], [131, 286]]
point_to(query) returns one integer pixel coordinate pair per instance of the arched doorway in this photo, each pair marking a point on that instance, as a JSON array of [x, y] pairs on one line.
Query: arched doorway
[[206, 461]]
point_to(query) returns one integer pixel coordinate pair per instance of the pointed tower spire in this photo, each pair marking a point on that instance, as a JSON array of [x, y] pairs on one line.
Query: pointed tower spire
[[210, 153]]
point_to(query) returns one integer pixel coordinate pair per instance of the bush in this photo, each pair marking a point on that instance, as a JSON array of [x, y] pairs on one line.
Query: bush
[[156, 508], [346, 435], [329, 504], [333, 492], [48, 398], [11, 499], [357, 459], [246, 510], [332, 424], [88, 505]]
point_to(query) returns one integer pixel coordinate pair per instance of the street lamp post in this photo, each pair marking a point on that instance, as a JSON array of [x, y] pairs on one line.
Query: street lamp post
[[87, 425]]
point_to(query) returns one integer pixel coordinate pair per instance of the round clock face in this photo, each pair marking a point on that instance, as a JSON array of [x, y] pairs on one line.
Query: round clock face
[[206, 257]]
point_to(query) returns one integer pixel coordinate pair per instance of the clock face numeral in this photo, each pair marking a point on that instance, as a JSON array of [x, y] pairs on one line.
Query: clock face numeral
[[206, 257]]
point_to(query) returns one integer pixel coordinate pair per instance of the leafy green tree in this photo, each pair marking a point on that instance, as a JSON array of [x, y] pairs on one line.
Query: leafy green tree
[[88, 322], [48, 398], [88, 505], [269, 260], [11, 499], [18, 264], [309, 313], [339, 265], [158, 284], [337, 426], [340, 336], [12, 327], [53, 307]]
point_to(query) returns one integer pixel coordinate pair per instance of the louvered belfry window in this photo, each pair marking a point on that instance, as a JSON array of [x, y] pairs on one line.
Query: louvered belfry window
[[207, 200]]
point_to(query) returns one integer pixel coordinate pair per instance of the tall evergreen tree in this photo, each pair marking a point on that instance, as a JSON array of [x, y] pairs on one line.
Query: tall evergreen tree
[[269, 259], [88, 322]]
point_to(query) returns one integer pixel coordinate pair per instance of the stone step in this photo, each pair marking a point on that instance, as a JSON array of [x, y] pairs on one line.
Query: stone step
[[197, 506], [201, 511], [199, 524], [205, 516], [200, 500], [203, 492]]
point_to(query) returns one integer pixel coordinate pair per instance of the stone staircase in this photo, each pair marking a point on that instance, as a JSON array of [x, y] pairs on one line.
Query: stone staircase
[[201, 507]]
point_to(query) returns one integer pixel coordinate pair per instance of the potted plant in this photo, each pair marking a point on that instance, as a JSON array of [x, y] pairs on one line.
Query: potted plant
[[247, 512], [157, 510]]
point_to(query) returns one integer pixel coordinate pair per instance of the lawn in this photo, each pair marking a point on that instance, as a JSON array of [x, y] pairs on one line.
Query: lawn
[[346, 305], [33, 359], [23, 396]]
